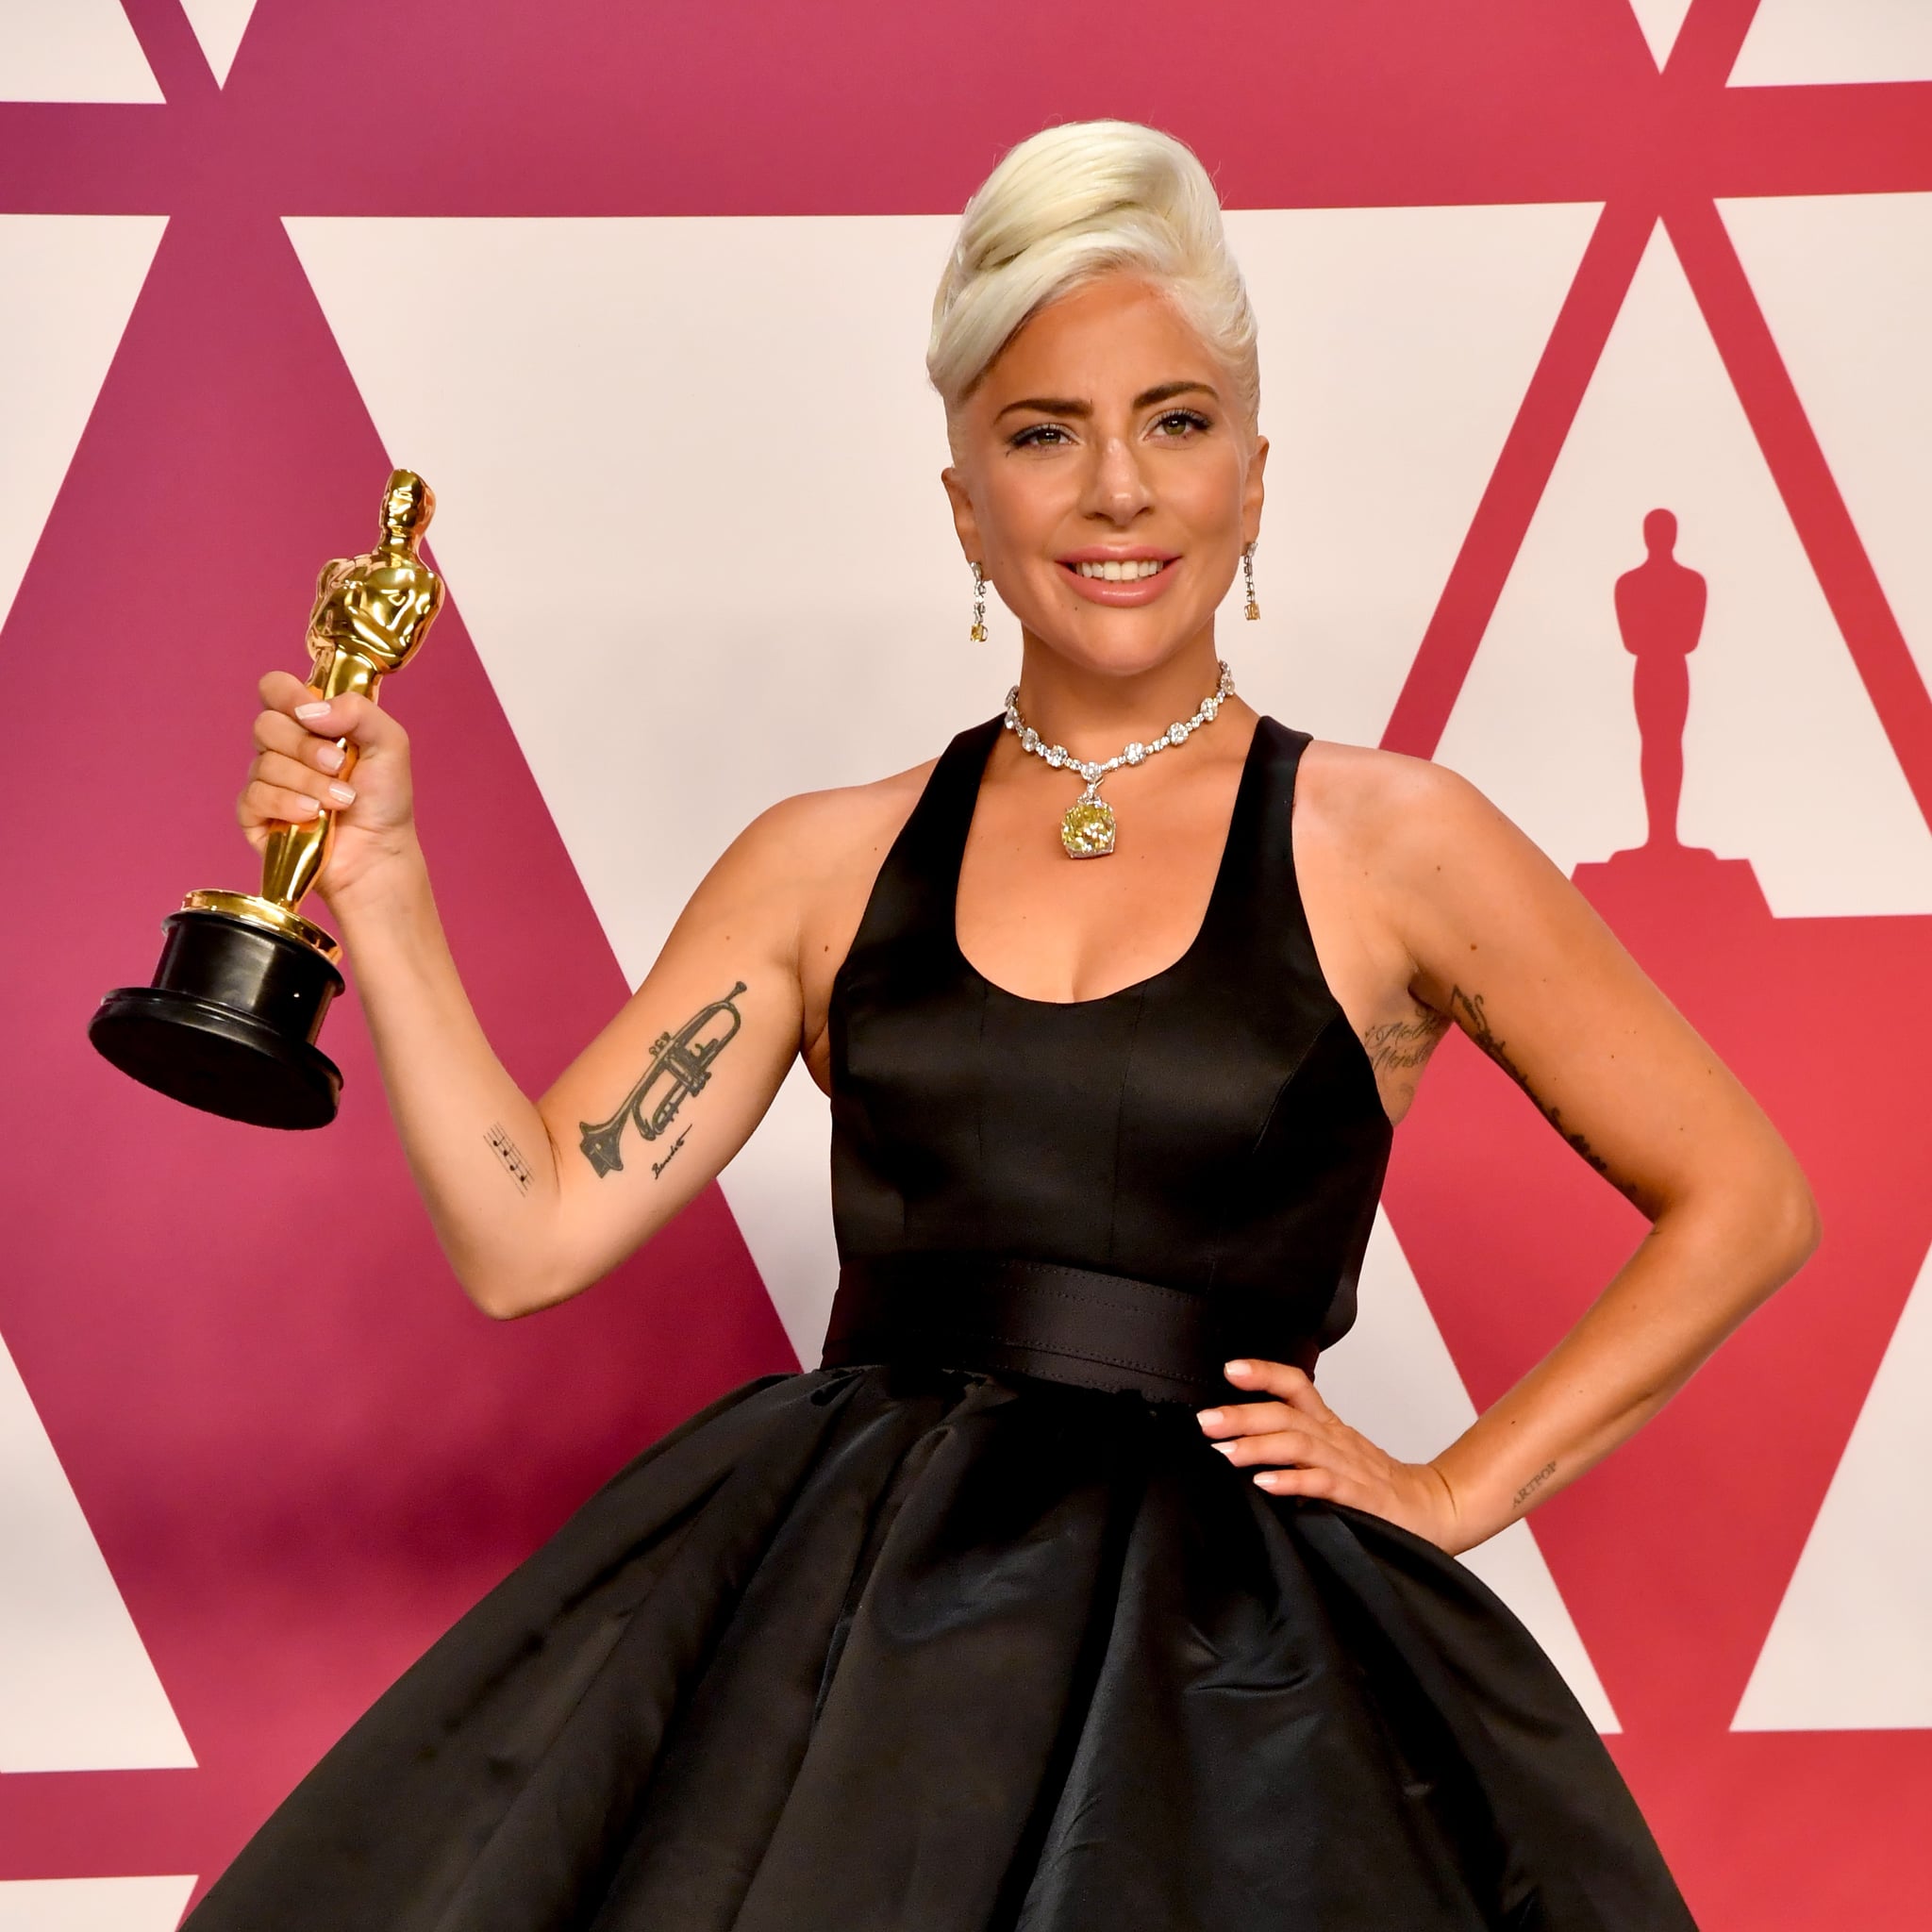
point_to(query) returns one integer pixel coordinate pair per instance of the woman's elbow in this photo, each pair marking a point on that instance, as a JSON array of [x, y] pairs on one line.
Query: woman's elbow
[[1781, 1213], [505, 1294], [1803, 1226]]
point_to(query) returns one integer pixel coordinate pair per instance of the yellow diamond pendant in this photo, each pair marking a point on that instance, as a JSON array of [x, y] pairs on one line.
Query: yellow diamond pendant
[[1087, 831]]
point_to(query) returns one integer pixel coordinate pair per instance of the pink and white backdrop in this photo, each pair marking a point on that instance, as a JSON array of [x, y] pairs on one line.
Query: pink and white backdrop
[[659, 276]]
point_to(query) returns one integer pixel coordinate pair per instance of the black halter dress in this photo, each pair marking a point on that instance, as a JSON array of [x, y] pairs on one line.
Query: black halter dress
[[970, 1627]]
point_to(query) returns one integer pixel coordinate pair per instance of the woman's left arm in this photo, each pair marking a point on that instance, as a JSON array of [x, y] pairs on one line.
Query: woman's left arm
[[1505, 945]]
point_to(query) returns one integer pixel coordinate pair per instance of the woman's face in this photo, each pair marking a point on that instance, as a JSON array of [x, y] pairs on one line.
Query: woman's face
[[1105, 430]]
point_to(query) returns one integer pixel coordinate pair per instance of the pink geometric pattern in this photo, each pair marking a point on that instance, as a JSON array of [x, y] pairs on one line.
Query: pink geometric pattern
[[300, 1452]]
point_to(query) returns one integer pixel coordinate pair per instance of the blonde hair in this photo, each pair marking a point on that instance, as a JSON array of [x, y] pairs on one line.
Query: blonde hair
[[1072, 203]]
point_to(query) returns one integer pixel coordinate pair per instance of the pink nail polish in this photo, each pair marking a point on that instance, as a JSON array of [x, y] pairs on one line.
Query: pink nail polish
[[317, 710], [1209, 1417], [330, 757], [343, 794]]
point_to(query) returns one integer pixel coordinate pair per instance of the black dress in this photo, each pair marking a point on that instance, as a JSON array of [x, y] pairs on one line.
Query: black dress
[[969, 1626]]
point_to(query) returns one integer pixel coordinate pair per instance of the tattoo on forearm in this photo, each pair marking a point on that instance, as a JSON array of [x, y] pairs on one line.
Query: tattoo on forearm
[[1468, 1008], [510, 1154], [680, 1065], [1398, 1045], [657, 1167], [1535, 1483]]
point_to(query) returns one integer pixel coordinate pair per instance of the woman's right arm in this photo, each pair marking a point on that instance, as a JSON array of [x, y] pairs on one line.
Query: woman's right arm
[[529, 1208]]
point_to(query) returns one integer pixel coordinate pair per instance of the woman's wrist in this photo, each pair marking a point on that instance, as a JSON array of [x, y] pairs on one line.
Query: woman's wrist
[[389, 882]]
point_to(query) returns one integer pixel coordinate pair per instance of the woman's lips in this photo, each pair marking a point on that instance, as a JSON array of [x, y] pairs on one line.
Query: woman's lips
[[1126, 590]]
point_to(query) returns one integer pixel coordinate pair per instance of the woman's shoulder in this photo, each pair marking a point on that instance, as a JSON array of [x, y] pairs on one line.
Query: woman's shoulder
[[810, 836], [1390, 810]]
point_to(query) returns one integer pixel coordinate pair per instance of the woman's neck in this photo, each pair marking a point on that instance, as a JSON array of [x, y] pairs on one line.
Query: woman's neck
[[1094, 713]]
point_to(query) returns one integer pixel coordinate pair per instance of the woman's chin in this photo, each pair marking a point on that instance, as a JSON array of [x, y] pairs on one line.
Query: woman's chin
[[1113, 647]]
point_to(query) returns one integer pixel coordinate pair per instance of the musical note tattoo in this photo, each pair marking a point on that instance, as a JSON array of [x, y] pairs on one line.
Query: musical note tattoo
[[510, 1154], [680, 1066]]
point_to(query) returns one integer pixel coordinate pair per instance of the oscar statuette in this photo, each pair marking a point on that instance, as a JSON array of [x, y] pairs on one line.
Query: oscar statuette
[[230, 1021]]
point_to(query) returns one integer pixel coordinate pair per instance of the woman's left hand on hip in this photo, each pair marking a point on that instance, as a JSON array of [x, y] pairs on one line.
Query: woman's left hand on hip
[[1300, 1447]]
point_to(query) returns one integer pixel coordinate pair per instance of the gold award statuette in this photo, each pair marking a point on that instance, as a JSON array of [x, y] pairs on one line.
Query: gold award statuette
[[230, 1021]]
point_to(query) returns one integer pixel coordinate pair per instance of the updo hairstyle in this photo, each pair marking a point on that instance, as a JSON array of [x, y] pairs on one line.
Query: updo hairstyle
[[1068, 205]]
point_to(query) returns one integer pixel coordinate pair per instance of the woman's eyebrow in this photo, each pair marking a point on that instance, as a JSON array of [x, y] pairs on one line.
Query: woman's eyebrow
[[1073, 405]]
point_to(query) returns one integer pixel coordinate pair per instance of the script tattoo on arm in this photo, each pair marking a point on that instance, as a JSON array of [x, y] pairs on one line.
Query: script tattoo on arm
[[1535, 1483], [1468, 1008], [1398, 1045], [680, 1066], [510, 1154]]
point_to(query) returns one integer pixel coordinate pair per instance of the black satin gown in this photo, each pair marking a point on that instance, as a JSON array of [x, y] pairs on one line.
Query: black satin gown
[[969, 1627]]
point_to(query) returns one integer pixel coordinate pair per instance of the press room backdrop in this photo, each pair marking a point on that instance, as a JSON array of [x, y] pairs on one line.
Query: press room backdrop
[[643, 290]]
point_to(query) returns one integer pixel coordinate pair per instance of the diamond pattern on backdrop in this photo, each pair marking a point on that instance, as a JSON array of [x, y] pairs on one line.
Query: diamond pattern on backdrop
[[1392, 1376], [93, 1905], [219, 26], [1817, 43], [76, 1687], [77, 50], [191, 1397], [1849, 1644], [1544, 723]]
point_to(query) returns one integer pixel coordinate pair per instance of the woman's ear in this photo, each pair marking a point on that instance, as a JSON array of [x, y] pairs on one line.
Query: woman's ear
[[1252, 491], [964, 519]]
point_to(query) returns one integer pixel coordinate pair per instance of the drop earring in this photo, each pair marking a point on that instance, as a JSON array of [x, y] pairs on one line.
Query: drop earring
[[979, 631], [1248, 572]]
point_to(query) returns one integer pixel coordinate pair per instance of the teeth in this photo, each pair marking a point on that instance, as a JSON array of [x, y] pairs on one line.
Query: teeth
[[1122, 572]]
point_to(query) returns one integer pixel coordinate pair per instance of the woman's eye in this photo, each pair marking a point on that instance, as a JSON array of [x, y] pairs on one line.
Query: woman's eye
[[1181, 420], [1033, 438]]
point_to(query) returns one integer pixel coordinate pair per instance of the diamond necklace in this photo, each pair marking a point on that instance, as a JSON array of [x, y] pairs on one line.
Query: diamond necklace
[[1088, 826]]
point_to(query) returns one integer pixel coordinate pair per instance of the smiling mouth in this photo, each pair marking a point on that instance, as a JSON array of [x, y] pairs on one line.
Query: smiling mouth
[[1127, 572]]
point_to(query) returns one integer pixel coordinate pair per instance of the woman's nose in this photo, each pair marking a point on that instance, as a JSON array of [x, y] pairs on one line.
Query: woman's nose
[[1118, 487]]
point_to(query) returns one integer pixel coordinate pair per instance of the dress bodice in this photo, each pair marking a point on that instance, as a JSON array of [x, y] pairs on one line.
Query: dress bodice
[[1215, 1127]]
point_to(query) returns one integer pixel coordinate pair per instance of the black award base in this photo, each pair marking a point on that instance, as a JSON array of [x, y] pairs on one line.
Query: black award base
[[230, 1021]]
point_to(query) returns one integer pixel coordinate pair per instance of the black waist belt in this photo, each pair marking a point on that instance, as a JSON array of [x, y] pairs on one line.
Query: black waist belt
[[1037, 1318]]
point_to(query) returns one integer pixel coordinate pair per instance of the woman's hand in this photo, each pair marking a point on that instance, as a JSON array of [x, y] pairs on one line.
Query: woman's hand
[[300, 770], [1323, 1455]]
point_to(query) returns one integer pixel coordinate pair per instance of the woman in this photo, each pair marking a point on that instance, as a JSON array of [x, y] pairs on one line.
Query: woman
[[1014, 1611]]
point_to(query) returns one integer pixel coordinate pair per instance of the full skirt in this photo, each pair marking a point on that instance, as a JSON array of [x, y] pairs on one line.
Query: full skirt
[[891, 1650]]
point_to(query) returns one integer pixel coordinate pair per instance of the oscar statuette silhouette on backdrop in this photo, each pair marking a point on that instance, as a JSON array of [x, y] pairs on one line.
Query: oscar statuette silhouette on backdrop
[[1660, 607], [1813, 1011], [230, 1021]]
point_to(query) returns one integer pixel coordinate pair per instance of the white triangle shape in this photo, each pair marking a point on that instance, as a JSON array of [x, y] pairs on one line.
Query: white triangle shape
[[1800, 42], [94, 1905], [1396, 345], [752, 453], [742, 407], [1392, 1377], [68, 284], [75, 50], [1845, 283], [1546, 723], [1851, 1645], [1660, 19], [219, 26], [77, 1691]]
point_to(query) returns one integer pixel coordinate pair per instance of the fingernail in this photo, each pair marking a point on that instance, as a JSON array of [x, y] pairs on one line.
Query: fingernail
[[1238, 1368], [1226, 1448], [1267, 1479], [343, 794], [1209, 1417], [306, 807], [330, 757], [317, 710]]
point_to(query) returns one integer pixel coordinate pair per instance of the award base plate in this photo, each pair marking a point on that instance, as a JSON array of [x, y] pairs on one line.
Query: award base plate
[[229, 1024]]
